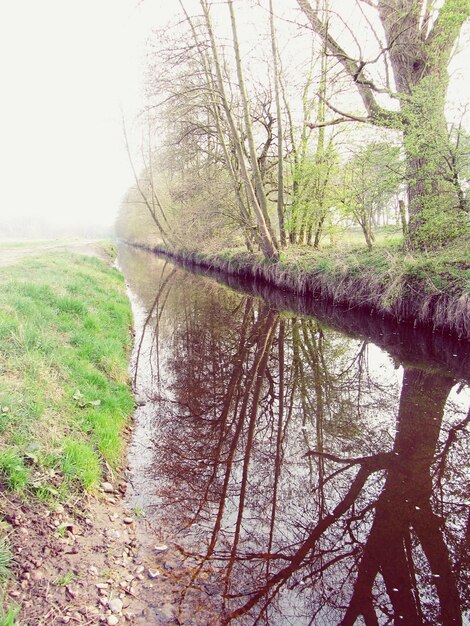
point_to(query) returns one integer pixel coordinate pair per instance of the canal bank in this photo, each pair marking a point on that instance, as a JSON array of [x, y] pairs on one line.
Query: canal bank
[[68, 546], [429, 290]]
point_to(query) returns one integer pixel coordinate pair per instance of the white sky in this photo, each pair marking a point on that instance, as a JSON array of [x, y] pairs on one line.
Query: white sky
[[66, 69]]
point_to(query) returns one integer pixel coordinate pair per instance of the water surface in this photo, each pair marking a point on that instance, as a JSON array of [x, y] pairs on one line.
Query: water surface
[[313, 468]]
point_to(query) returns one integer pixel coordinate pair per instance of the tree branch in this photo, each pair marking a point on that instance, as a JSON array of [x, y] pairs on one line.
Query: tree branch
[[377, 114]]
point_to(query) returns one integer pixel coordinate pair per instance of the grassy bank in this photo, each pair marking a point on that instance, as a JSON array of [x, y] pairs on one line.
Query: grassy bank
[[64, 390], [431, 289], [64, 393]]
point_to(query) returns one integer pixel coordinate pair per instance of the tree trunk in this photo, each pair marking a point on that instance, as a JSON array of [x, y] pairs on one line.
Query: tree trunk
[[269, 240], [280, 130], [267, 244], [403, 220], [432, 199]]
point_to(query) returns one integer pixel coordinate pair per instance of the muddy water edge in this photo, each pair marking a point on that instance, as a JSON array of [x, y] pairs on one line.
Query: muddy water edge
[[294, 463]]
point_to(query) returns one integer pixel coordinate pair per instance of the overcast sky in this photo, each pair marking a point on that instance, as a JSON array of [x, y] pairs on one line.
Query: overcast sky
[[66, 69]]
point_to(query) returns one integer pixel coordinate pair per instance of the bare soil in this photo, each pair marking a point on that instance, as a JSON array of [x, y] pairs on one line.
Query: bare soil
[[95, 563]]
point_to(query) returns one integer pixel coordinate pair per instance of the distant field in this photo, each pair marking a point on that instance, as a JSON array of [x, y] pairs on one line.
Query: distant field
[[12, 252], [27, 243], [354, 237]]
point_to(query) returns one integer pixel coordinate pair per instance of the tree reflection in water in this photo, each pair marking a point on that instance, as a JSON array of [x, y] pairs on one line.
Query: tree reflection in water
[[317, 480]]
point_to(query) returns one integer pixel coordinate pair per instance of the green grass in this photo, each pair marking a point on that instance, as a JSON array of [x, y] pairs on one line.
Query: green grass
[[30, 243], [445, 270], [65, 580], [110, 248], [7, 617], [6, 559], [12, 467], [64, 389]]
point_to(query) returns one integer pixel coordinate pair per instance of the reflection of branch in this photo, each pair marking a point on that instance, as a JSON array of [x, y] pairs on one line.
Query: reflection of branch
[[383, 458], [279, 439], [256, 380], [369, 466], [241, 389], [231, 397], [451, 437], [149, 317], [327, 564], [251, 556]]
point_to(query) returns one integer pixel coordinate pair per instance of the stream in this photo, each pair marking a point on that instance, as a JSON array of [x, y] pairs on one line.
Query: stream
[[309, 462]]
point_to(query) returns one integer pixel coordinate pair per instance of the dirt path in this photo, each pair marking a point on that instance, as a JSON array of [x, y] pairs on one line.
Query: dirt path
[[12, 253]]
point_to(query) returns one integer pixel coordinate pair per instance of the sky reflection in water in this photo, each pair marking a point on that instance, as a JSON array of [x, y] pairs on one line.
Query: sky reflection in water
[[318, 478]]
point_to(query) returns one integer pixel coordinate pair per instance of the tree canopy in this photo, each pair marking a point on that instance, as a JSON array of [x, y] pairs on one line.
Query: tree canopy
[[268, 121]]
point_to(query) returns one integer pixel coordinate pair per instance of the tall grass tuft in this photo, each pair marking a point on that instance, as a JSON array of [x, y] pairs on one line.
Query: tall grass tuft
[[13, 470], [6, 559]]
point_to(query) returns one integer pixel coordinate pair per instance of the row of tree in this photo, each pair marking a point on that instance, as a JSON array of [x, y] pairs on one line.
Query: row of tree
[[272, 132]]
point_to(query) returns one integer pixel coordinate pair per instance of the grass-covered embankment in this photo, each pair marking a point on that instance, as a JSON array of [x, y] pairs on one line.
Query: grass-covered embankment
[[64, 389], [432, 288]]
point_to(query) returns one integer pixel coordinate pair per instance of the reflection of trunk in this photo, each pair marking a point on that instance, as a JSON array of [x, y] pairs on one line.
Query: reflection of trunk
[[156, 305], [312, 349], [244, 389], [405, 502], [254, 389], [241, 400], [231, 399], [373, 464], [280, 426]]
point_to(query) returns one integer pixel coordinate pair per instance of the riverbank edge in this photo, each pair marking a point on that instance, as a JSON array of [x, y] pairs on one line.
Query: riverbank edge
[[399, 294], [78, 559]]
